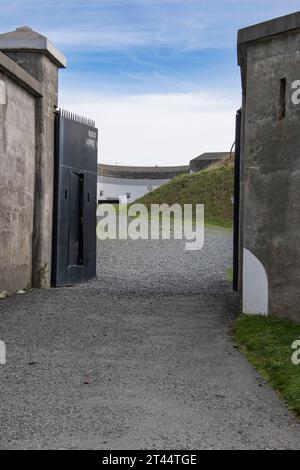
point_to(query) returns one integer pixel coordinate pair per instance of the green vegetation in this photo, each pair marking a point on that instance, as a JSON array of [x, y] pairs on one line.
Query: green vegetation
[[267, 343], [229, 274], [212, 187]]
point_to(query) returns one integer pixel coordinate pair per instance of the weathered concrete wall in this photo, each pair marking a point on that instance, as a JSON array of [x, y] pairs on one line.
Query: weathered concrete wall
[[207, 159], [271, 165], [46, 72], [109, 188], [30, 61], [17, 170], [142, 172]]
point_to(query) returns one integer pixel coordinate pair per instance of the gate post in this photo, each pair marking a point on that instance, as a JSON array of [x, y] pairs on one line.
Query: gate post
[[34, 53], [236, 217]]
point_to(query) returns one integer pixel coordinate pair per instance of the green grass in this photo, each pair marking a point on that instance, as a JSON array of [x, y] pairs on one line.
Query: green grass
[[267, 343], [229, 274], [212, 187]]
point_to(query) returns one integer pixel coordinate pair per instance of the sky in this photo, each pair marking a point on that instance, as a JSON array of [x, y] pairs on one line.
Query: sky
[[160, 77]]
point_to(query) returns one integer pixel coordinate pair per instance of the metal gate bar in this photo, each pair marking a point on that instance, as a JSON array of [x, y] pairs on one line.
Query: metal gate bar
[[236, 217]]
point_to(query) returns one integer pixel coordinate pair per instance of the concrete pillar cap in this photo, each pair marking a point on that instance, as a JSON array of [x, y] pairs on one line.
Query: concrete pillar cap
[[24, 28], [25, 39]]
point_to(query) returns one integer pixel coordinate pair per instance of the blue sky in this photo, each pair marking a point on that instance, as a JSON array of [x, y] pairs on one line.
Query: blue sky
[[159, 76]]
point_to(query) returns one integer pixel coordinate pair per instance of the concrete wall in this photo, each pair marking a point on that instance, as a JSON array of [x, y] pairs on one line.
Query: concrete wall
[[271, 168], [117, 180], [142, 172], [113, 188], [46, 72], [17, 175], [207, 159], [29, 68]]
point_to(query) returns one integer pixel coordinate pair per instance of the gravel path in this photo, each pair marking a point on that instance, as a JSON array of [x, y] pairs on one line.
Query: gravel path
[[139, 358]]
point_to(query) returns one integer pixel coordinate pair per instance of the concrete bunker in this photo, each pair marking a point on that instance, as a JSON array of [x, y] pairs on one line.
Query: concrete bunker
[[269, 220]]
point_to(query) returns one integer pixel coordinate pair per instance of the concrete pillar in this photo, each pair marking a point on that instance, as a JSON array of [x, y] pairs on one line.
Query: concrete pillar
[[35, 54]]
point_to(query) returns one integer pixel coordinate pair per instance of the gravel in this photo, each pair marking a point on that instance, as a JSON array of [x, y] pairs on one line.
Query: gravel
[[140, 358]]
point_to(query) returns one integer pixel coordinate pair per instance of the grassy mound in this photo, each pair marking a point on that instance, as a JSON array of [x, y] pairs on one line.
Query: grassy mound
[[267, 343], [212, 187]]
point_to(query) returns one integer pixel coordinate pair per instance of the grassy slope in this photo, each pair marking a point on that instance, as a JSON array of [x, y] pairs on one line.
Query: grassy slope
[[212, 187], [267, 343]]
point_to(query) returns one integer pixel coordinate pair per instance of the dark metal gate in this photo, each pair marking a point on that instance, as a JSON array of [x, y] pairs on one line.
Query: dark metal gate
[[75, 195], [236, 219]]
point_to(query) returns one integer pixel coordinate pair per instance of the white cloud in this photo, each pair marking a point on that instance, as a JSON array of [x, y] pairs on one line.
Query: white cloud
[[111, 24], [183, 24], [103, 39], [158, 129]]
